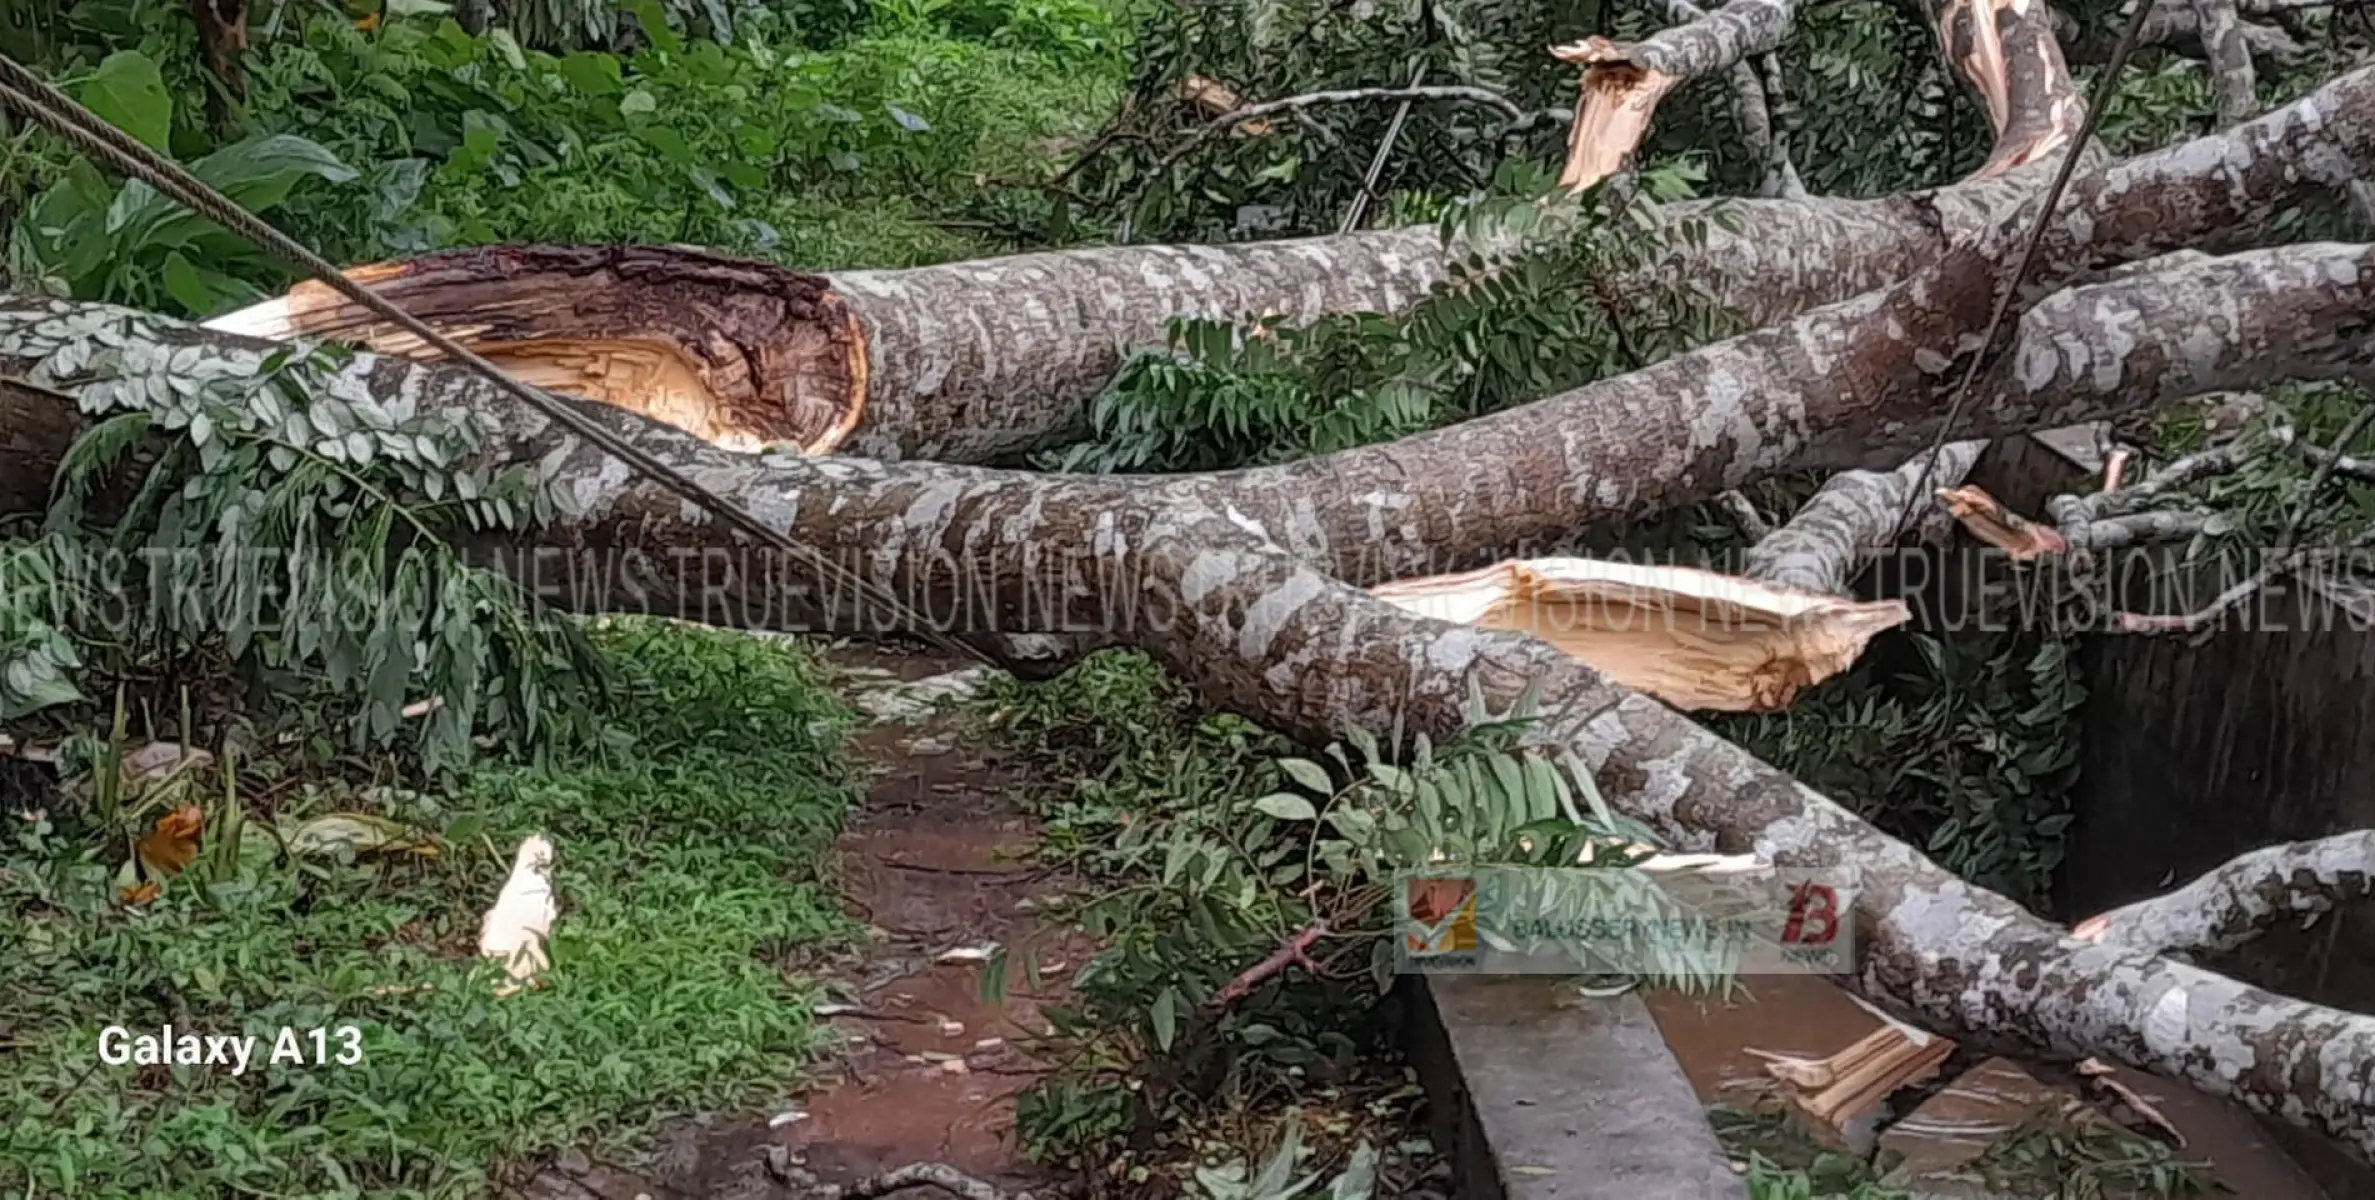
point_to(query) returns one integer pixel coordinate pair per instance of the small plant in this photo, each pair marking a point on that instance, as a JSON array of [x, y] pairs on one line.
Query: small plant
[[1244, 895]]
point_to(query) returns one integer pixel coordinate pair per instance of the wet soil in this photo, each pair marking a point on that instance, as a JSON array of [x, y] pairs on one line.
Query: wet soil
[[936, 862]]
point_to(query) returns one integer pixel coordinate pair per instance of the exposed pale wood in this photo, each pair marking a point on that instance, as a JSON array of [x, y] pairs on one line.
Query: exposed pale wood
[[1695, 639]]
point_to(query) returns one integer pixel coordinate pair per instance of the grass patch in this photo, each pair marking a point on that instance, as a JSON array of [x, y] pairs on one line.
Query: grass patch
[[686, 851]]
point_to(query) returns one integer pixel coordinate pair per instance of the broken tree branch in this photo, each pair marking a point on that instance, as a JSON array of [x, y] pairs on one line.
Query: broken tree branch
[[1854, 515], [1623, 81], [2006, 51], [1294, 952], [2230, 59], [2240, 899]]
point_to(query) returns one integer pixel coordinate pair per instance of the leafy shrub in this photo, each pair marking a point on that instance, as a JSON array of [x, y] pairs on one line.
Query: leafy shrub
[[1499, 332]]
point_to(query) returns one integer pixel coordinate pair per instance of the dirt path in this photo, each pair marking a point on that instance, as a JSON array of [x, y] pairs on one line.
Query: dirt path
[[934, 862]]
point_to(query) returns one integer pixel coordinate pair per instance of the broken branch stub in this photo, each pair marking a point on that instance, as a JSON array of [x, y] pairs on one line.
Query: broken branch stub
[[740, 354], [1695, 639]]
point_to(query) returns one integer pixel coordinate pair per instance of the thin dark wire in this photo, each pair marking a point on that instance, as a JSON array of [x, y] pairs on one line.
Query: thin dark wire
[[2053, 196], [44, 104]]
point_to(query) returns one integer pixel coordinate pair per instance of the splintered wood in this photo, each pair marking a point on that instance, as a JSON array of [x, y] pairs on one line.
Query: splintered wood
[[1695, 639], [1613, 112], [1832, 1093], [742, 355], [1998, 526]]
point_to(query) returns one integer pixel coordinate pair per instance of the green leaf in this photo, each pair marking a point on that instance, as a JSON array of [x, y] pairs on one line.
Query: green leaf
[[1308, 774], [128, 90], [186, 286], [1286, 806], [507, 46], [1165, 1018], [664, 37]]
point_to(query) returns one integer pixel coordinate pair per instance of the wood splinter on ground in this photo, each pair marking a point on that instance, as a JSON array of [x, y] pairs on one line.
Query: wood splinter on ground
[[1694, 639], [1832, 1092]]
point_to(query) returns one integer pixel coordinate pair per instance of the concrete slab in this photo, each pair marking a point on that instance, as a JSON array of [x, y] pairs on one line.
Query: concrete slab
[[1542, 1094]]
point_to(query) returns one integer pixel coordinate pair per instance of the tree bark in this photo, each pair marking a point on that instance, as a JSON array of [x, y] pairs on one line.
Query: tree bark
[[1233, 607], [975, 362], [2237, 901]]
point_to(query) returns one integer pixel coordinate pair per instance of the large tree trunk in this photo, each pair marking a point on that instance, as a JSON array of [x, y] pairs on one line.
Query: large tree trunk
[[1219, 581], [973, 362], [1248, 584]]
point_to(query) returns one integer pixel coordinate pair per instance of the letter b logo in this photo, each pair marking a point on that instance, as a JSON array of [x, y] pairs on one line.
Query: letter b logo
[[1813, 916]]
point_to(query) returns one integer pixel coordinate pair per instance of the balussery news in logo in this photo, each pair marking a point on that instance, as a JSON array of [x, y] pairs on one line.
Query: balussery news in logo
[[1677, 914], [1438, 922]]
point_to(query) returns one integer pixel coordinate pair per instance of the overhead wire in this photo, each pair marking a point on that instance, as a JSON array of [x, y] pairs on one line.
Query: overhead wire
[[44, 104]]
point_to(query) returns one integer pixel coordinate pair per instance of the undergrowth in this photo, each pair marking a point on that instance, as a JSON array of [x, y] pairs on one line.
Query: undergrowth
[[1211, 846], [246, 557], [685, 836], [890, 144]]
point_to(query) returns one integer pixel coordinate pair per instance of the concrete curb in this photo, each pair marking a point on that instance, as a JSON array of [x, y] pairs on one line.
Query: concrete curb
[[1543, 1096]]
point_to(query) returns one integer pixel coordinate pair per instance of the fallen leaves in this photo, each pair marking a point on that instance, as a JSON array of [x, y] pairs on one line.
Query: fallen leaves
[[173, 844]]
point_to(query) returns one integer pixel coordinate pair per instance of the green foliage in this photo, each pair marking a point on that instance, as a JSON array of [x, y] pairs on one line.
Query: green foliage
[[299, 527], [1213, 845], [686, 842], [130, 245], [1309, 168], [1876, 108], [2088, 1160], [1506, 327], [418, 135], [1971, 754]]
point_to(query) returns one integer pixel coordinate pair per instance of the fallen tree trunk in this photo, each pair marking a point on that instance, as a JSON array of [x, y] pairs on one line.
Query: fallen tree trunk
[[974, 362], [2241, 898], [1260, 630], [971, 362]]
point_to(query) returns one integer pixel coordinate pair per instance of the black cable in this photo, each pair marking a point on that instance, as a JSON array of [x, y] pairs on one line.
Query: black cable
[[54, 110], [2053, 196]]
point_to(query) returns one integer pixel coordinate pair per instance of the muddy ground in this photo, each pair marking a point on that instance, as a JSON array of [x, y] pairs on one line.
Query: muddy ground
[[936, 863]]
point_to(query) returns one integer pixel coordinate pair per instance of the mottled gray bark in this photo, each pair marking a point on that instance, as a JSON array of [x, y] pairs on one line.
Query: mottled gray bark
[[2230, 58], [972, 361], [1707, 42], [2175, 27], [1854, 515], [2242, 897], [1227, 603], [1751, 107]]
